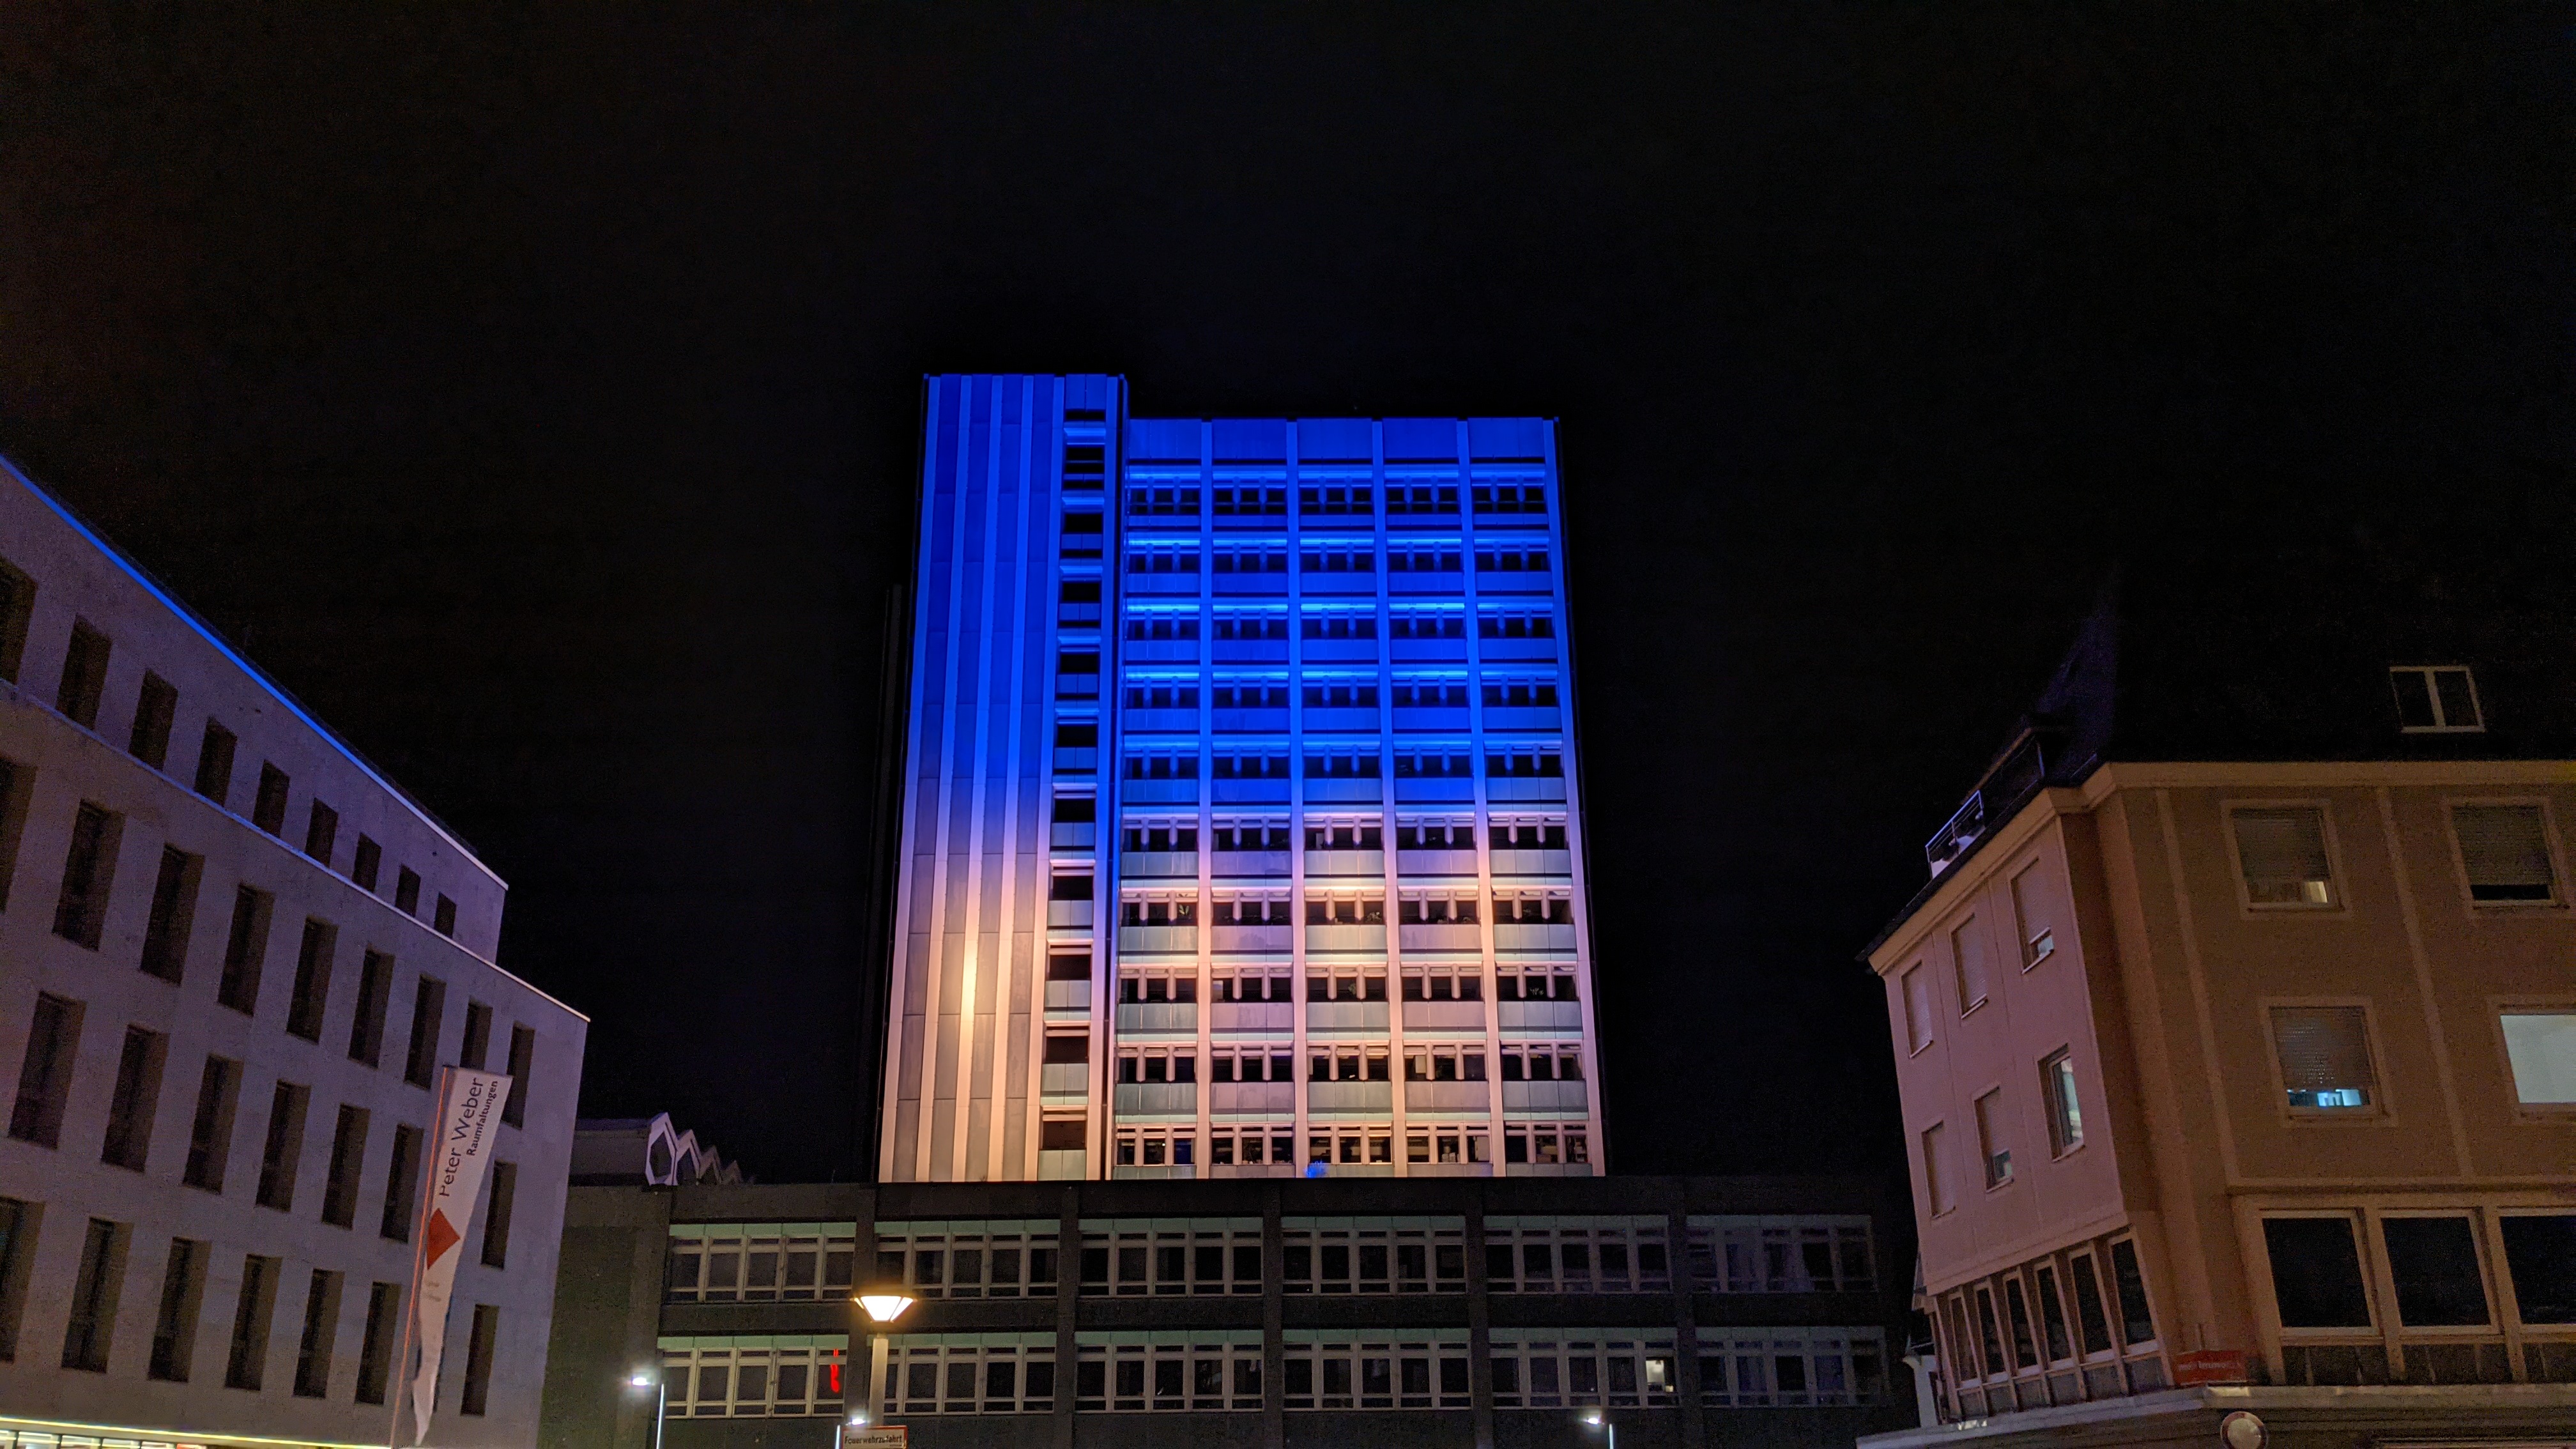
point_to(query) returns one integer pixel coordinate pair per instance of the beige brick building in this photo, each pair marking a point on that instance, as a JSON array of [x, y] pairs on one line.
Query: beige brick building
[[2236, 1028]]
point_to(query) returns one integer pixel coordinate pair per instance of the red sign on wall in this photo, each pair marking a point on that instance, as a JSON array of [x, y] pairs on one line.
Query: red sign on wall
[[2211, 1366]]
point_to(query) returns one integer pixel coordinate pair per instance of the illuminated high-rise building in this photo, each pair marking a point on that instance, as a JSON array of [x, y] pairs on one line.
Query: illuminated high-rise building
[[1240, 825]]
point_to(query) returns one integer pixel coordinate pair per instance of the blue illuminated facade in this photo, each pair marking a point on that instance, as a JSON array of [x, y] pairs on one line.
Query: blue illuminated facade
[[1240, 825]]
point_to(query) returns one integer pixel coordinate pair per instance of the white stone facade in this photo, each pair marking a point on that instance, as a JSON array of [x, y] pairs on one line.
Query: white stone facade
[[128, 954]]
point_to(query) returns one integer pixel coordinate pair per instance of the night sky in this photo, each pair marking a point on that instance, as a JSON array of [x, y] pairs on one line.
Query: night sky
[[537, 397]]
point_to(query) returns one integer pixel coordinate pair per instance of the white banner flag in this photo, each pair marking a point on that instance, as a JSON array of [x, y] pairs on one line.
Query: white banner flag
[[461, 1151]]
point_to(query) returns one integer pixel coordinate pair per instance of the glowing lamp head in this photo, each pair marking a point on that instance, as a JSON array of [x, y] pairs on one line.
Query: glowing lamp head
[[1592, 1419], [641, 1380], [885, 1305]]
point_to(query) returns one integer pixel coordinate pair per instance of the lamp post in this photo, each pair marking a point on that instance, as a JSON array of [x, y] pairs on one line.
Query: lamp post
[[1595, 1419], [661, 1398], [882, 1305]]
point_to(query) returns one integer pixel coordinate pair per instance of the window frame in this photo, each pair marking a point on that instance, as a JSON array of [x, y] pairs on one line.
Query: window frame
[[2500, 1007], [1994, 1093], [2374, 1291], [2337, 904], [1932, 1142], [2381, 1109], [1905, 1007], [2029, 950], [2423, 674], [2557, 900], [2062, 1142]]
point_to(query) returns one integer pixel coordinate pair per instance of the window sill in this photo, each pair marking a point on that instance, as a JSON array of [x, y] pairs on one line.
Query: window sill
[[1918, 1051], [2069, 1152], [1973, 1007], [2479, 907]]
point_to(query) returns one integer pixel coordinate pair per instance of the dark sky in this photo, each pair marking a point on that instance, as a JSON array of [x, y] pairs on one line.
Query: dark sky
[[536, 394]]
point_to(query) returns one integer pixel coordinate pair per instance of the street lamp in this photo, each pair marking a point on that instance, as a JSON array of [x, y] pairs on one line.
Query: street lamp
[[883, 1304], [1595, 1419], [641, 1379]]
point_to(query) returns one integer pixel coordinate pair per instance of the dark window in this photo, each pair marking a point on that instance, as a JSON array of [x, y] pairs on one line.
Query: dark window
[[428, 1003], [155, 710], [376, 1353], [89, 871], [2539, 1250], [313, 1347], [348, 1160], [401, 1184], [268, 808], [17, 606], [2434, 1263], [135, 1100], [17, 1254], [2052, 1314], [45, 1079], [2504, 850], [94, 1292], [312, 980], [1075, 809], [1069, 888], [215, 764], [443, 920], [2137, 1325], [210, 1132], [16, 782], [282, 1147], [375, 990], [478, 1360], [523, 1058], [321, 832], [1061, 1136], [407, 891], [471, 1052], [2316, 1273], [369, 861], [244, 947], [249, 1354], [174, 911], [496, 1215], [84, 675], [174, 1325]]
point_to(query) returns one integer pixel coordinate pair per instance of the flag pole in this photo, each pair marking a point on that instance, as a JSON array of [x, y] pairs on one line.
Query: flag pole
[[411, 1289]]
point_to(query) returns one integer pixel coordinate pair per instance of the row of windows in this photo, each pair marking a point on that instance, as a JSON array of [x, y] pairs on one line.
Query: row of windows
[[1552, 982], [1140, 835], [2285, 855], [1531, 908], [2424, 1268], [1420, 1369], [2324, 1056], [1330, 558], [762, 1263], [1362, 694], [1546, 1062], [80, 912], [44, 1085], [1364, 763], [1352, 498], [2069, 1319], [1403, 622], [78, 696], [1318, 1256], [1544, 1144], [107, 1260], [778, 1378]]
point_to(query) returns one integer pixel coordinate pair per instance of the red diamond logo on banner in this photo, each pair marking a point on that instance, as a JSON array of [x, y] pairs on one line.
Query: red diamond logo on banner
[[442, 1235]]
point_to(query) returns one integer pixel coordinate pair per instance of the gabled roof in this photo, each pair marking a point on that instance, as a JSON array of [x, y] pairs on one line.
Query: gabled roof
[[2278, 652]]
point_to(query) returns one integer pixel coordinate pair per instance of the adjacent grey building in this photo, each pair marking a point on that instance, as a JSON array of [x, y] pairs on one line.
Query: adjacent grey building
[[1461, 1311]]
